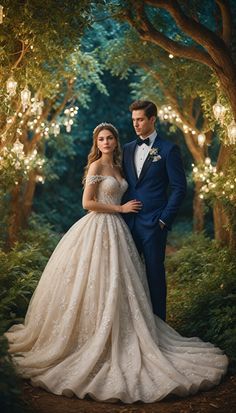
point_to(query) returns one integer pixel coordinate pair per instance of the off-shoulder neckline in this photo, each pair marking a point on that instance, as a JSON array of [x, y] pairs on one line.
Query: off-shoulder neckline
[[108, 176]]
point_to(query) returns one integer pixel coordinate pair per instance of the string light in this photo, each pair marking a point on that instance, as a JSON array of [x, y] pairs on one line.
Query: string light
[[56, 129], [213, 182], [167, 113]]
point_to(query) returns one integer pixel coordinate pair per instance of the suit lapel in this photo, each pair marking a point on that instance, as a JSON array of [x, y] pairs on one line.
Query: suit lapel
[[148, 160], [132, 151]]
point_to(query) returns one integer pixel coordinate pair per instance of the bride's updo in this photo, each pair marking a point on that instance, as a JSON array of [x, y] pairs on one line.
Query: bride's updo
[[95, 153]]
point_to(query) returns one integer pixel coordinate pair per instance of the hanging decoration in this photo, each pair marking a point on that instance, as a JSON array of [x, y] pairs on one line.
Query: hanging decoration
[[201, 139], [18, 148], [11, 86], [37, 106], [219, 111], [25, 98]]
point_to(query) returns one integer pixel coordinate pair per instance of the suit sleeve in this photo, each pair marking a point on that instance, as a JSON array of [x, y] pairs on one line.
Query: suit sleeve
[[178, 184]]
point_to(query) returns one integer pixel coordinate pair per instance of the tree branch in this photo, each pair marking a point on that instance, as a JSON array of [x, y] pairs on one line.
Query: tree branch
[[224, 7], [148, 32], [215, 45], [22, 53]]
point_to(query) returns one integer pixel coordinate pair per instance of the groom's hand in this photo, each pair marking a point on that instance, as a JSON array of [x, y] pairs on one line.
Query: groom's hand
[[162, 225]]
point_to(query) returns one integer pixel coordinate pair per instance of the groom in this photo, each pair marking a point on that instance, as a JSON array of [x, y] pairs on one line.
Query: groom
[[152, 164]]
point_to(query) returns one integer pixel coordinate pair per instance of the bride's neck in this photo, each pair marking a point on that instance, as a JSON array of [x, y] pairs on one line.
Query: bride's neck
[[107, 160]]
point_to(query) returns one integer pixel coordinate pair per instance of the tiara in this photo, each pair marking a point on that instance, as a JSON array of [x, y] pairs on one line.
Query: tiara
[[104, 124]]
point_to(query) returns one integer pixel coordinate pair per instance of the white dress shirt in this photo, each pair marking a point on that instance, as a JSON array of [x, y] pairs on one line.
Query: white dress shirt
[[142, 151]]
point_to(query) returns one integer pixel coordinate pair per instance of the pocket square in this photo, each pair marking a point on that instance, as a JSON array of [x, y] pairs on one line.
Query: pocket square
[[156, 158]]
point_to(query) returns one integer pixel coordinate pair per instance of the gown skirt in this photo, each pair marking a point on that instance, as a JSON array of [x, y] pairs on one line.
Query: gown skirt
[[90, 329]]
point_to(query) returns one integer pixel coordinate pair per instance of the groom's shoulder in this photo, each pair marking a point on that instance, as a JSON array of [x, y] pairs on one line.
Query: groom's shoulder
[[129, 144], [168, 145]]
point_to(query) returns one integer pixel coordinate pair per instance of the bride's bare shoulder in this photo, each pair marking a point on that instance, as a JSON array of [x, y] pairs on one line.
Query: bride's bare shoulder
[[95, 168]]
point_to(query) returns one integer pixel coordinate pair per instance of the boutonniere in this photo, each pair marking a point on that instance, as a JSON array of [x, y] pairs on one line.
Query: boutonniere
[[153, 153]]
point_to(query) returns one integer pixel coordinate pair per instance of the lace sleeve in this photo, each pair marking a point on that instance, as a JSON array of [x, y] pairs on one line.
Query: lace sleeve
[[93, 179]]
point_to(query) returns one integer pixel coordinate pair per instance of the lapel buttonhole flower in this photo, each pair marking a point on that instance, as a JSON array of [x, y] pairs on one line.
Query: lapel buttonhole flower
[[154, 155]]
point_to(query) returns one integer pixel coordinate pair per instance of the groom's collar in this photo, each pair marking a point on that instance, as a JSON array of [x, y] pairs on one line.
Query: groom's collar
[[151, 137]]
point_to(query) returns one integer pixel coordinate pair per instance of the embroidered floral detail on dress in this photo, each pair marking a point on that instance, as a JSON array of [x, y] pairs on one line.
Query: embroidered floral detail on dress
[[94, 179]]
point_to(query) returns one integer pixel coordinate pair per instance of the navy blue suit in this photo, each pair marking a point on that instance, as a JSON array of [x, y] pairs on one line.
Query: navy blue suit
[[151, 189]]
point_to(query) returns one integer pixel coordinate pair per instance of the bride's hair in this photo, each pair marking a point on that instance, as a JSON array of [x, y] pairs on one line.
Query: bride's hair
[[95, 153]]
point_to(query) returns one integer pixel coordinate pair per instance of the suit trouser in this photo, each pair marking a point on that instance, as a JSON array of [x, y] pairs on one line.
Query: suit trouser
[[151, 243]]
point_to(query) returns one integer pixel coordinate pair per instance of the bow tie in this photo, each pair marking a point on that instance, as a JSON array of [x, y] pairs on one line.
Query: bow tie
[[141, 141]]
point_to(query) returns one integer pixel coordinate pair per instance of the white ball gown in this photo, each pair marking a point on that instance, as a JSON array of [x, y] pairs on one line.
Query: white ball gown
[[90, 329]]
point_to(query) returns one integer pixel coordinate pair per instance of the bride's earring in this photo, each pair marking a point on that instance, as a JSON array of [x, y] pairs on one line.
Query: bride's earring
[[98, 151]]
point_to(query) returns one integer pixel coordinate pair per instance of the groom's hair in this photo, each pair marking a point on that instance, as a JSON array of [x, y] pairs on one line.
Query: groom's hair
[[149, 108]]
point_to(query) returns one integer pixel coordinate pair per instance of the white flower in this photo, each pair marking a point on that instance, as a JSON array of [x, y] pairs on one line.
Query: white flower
[[153, 153]]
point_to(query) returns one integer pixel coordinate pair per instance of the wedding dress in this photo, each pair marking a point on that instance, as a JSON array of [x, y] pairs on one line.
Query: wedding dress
[[89, 328]]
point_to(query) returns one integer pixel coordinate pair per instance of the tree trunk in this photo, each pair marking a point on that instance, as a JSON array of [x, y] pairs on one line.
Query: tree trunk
[[15, 217], [221, 222], [224, 223], [228, 82], [28, 197], [198, 209]]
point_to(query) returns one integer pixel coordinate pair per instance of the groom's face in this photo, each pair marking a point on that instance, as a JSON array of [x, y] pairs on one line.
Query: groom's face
[[143, 125]]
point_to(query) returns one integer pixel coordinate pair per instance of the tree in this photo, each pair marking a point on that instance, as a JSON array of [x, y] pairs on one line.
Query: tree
[[53, 66]]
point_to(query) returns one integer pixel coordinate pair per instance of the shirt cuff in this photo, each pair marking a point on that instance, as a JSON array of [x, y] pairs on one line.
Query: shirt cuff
[[162, 222]]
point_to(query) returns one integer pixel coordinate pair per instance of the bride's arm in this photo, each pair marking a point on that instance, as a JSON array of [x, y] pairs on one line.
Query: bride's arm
[[90, 202]]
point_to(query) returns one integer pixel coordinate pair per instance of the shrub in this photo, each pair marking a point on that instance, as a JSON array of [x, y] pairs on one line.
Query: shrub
[[20, 270], [202, 292]]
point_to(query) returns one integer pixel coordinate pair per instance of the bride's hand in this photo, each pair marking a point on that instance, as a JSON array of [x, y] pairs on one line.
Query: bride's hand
[[131, 206]]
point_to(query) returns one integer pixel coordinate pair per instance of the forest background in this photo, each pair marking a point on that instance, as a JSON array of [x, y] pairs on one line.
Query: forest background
[[67, 66]]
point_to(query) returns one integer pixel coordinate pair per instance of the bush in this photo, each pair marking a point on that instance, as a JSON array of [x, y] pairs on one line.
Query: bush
[[10, 383], [20, 270], [202, 292]]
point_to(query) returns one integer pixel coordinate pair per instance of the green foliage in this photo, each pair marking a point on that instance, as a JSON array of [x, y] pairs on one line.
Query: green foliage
[[20, 269], [202, 293], [10, 383]]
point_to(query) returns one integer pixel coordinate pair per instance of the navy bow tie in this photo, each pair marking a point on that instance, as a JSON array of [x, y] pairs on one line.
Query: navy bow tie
[[141, 141]]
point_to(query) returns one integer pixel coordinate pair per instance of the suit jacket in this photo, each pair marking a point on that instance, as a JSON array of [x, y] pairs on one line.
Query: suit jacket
[[151, 186]]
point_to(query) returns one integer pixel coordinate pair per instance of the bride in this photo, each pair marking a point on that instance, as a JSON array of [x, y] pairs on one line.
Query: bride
[[89, 328]]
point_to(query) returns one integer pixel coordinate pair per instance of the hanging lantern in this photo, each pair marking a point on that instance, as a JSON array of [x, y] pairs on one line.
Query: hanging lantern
[[231, 129], [25, 98], [37, 107], [201, 139], [219, 111], [11, 86], [1, 14], [17, 147], [207, 161]]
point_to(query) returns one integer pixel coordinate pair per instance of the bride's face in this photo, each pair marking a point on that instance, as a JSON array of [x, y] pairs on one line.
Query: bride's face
[[106, 141]]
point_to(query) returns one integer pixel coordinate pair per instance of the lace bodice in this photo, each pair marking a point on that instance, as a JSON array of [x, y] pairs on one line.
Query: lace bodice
[[110, 190]]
